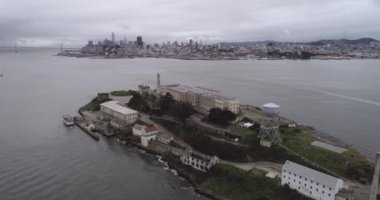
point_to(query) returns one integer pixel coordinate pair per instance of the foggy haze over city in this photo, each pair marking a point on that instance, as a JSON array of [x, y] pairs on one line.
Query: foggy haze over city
[[73, 23]]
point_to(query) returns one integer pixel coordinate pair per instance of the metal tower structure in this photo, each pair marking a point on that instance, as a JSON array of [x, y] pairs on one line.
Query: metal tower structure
[[375, 181], [269, 126]]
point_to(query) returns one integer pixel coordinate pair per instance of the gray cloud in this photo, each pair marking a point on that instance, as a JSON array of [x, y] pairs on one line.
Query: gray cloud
[[73, 22]]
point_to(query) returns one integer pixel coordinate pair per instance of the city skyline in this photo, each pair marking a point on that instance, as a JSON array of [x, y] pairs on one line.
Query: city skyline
[[45, 23]]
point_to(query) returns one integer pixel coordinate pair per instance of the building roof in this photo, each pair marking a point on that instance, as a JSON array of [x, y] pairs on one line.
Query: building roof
[[198, 156], [121, 99], [116, 106], [150, 128], [139, 127], [311, 174], [147, 128], [215, 94]]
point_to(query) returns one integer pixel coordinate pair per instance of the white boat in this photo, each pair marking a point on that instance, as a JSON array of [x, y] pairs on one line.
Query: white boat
[[68, 120]]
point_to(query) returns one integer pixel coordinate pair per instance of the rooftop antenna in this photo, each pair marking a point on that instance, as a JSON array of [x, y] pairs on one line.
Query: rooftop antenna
[[269, 126]]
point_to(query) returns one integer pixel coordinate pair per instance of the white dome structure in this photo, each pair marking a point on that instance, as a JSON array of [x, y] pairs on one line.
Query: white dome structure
[[271, 109]]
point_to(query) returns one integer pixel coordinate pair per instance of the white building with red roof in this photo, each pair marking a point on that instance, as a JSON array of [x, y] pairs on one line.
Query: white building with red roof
[[145, 132]]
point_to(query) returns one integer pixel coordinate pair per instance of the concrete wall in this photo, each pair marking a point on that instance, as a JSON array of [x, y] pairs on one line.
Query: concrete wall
[[375, 181]]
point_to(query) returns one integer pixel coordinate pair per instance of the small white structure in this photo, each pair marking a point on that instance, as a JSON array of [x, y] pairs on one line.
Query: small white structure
[[119, 112], [309, 182], [248, 124], [198, 161], [145, 132]]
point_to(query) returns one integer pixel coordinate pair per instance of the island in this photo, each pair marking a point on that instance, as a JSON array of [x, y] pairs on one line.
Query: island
[[227, 150]]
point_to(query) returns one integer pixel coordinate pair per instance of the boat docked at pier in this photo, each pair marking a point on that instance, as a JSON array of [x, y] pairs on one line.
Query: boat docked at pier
[[68, 120]]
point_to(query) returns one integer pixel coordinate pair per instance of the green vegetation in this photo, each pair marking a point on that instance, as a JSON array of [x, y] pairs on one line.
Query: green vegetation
[[349, 164], [149, 104], [221, 117], [121, 93], [94, 105], [165, 102], [248, 135], [237, 184], [181, 110], [233, 183], [203, 142], [124, 133], [142, 103]]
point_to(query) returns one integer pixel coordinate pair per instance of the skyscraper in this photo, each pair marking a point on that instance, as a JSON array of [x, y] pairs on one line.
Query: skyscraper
[[139, 41], [113, 37]]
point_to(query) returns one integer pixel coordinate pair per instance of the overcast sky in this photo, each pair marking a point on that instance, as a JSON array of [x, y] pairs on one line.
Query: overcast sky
[[73, 22]]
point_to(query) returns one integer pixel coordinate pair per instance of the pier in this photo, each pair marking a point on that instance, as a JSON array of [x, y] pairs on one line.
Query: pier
[[82, 126]]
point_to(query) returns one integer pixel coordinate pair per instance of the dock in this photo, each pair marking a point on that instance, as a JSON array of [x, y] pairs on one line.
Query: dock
[[87, 130]]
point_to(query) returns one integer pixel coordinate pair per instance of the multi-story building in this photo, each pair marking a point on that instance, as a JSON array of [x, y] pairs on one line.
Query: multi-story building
[[119, 113], [145, 132], [199, 97], [198, 161], [309, 182]]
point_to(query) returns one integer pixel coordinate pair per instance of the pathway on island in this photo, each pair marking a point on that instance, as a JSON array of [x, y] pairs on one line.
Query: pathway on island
[[270, 167]]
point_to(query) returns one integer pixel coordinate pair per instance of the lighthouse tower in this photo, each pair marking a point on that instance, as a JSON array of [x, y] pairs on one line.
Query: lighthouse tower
[[158, 81]]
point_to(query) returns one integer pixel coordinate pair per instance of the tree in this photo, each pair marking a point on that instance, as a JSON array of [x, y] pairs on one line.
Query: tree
[[165, 102], [182, 110], [139, 103], [221, 117]]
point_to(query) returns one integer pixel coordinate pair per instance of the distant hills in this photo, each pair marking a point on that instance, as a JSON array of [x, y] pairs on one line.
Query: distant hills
[[366, 41]]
